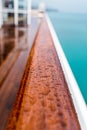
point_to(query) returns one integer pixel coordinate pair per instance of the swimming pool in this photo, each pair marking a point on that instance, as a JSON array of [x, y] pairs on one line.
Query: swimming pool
[[72, 33]]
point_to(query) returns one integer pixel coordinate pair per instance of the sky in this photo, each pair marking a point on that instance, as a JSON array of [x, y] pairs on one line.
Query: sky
[[78, 6]]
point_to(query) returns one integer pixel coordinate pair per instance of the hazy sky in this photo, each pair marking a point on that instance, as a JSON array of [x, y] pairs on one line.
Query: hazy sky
[[66, 5]]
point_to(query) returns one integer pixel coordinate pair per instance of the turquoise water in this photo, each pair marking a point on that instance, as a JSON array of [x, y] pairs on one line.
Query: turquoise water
[[72, 33]]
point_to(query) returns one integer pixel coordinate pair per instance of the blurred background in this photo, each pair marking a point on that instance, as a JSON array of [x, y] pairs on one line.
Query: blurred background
[[77, 6]]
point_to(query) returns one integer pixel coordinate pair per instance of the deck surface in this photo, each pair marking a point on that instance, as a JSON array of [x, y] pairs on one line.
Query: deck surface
[[43, 101], [12, 69]]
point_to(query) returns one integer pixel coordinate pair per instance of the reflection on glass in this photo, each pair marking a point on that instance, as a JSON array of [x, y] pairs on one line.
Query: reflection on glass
[[22, 19], [22, 4], [8, 4], [8, 18]]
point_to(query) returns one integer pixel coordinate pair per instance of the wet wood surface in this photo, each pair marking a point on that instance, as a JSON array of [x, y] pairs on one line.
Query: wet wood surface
[[11, 82], [43, 101]]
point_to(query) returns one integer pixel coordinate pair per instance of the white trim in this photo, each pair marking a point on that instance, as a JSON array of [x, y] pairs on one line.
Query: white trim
[[79, 103], [8, 10], [20, 11]]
